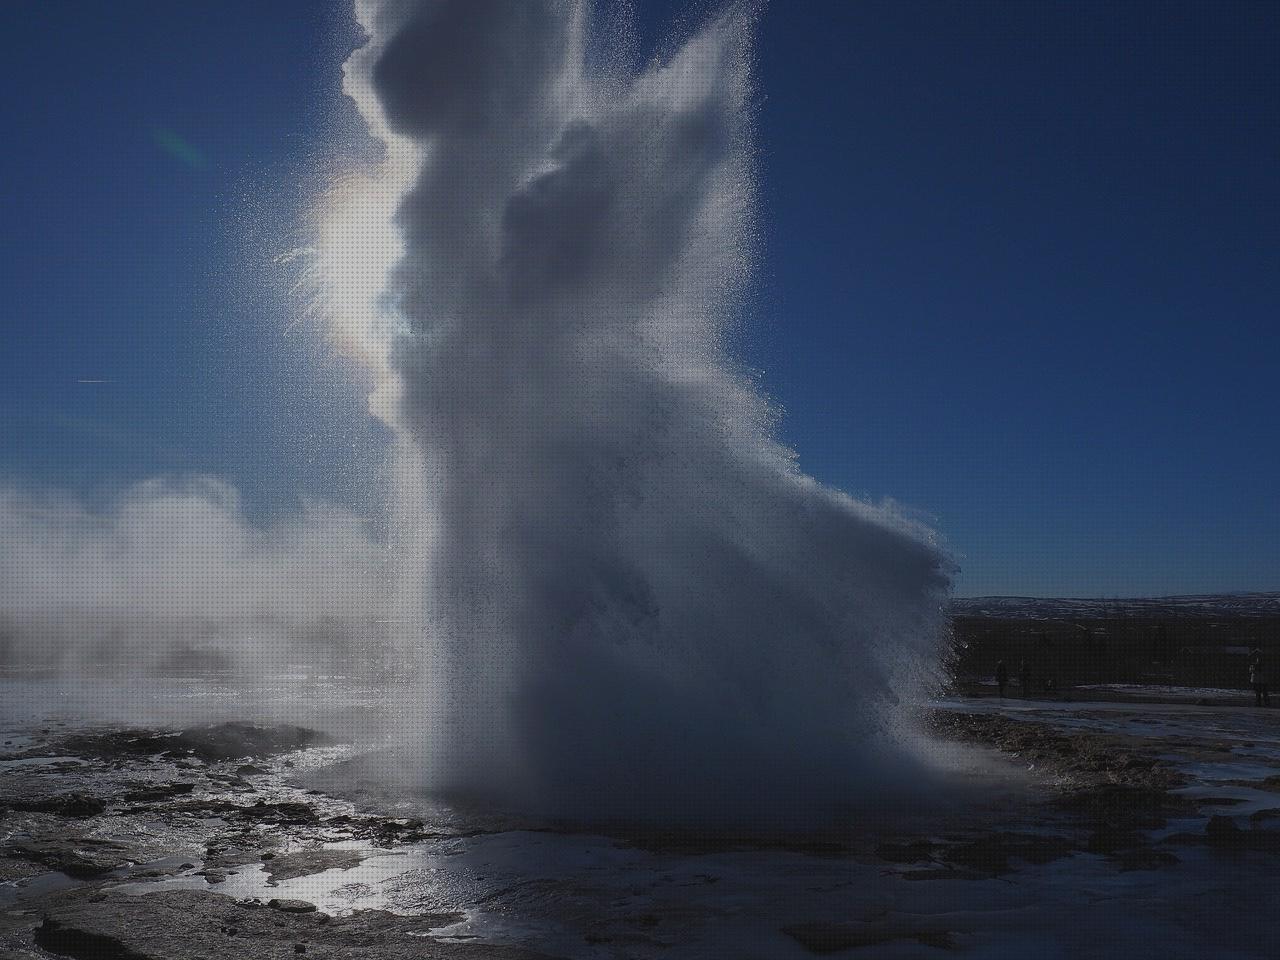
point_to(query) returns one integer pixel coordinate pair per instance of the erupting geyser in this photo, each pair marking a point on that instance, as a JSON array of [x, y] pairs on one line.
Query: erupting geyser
[[626, 599]]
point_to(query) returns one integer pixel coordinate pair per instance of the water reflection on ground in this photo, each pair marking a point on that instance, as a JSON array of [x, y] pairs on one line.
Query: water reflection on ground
[[1005, 872]]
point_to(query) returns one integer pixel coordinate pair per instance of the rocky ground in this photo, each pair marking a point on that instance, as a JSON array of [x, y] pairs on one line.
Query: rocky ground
[[129, 843], [85, 815]]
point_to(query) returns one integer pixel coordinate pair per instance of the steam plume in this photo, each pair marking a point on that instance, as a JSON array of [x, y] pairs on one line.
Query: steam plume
[[630, 600], [173, 575]]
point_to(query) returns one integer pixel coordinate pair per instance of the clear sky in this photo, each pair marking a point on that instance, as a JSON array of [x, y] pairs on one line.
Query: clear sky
[[1021, 268]]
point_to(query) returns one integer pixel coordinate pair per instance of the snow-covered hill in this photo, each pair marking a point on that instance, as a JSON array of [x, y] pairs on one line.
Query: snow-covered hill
[[1225, 605]]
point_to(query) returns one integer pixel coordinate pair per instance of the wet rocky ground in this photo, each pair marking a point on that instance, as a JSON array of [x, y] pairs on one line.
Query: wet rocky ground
[[1155, 829]]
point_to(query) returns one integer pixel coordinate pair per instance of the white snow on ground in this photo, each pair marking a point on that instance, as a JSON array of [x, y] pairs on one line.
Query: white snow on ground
[[1200, 605], [1164, 691]]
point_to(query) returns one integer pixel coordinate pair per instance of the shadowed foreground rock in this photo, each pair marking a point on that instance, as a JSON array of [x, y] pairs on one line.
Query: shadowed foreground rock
[[188, 925], [839, 937]]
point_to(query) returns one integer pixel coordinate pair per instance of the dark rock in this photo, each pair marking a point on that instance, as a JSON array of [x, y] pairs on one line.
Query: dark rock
[[835, 937], [914, 851], [74, 805], [185, 925], [1138, 805], [992, 853], [1110, 837], [83, 858], [212, 742], [1145, 858], [229, 741], [1264, 841], [284, 812], [234, 854], [1224, 832], [304, 863], [161, 791], [83, 944], [17, 868], [944, 873], [1085, 754], [292, 906]]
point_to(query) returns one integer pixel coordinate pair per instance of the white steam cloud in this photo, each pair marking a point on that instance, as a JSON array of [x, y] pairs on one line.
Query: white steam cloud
[[173, 575]]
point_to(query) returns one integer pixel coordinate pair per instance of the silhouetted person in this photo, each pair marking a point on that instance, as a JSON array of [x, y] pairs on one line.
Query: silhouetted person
[[1258, 680], [1024, 678], [1002, 676]]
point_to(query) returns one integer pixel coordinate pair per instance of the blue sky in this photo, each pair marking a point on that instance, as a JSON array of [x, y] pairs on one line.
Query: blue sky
[[1021, 272]]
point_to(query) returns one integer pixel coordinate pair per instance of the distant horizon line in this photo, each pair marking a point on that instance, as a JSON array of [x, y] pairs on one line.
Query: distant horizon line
[[1115, 598]]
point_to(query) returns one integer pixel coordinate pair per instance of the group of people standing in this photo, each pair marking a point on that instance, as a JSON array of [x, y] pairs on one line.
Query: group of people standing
[[1024, 677], [1257, 678]]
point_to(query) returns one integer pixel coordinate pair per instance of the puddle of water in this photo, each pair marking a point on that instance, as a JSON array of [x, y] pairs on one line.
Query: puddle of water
[[334, 891], [15, 891]]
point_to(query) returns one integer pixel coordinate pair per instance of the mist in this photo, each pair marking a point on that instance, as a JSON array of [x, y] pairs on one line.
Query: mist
[[172, 575]]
